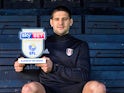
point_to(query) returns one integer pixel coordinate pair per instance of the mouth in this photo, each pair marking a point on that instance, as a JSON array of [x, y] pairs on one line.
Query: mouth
[[60, 26]]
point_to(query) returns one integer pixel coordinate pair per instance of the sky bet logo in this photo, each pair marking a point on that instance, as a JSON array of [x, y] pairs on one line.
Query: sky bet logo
[[32, 35]]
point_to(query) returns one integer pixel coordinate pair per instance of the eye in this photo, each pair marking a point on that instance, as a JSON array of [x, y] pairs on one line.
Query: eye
[[65, 19], [62, 19], [56, 19]]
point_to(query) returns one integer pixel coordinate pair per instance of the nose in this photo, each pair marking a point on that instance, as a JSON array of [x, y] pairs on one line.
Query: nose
[[60, 22]]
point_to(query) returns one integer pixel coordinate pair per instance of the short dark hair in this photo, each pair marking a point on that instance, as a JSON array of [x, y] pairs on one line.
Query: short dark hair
[[61, 8]]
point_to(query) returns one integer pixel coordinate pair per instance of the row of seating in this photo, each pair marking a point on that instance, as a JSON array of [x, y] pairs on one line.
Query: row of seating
[[29, 4], [101, 24], [106, 50], [13, 24], [88, 24]]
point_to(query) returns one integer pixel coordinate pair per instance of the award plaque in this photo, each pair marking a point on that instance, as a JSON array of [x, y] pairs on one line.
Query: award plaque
[[32, 45]]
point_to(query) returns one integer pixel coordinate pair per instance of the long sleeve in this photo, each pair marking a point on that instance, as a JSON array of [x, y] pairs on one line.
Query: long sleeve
[[81, 70]]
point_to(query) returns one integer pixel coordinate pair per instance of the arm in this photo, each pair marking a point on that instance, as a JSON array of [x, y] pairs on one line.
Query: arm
[[81, 71]]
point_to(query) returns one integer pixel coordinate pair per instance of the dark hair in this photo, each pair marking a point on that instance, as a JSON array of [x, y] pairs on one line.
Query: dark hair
[[61, 8]]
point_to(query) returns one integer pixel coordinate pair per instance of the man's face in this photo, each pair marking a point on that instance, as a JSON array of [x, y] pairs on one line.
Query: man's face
[[61, 22]]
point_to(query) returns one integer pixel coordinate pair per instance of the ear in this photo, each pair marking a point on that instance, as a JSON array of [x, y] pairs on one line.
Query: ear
[[51, 23], [71, 22]]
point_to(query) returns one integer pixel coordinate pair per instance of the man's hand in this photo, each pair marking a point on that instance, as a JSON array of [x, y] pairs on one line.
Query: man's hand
[[46, 67], [18, 67]]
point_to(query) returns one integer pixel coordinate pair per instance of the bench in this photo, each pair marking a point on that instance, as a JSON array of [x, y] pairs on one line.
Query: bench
[[106, 55], [17, 4], [12, 24], [51, 4], [102, 3], [107, 60], [10, 81], [104, 24]]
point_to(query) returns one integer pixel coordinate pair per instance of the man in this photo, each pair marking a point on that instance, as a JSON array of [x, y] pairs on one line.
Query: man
[[67, 67]]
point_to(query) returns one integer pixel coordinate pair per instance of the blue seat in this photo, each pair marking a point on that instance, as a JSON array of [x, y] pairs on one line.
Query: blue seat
[[104, 24], [13, 24], [106, 57]]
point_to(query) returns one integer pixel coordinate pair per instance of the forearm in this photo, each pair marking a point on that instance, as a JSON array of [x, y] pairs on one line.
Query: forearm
[[71, 74], [80, 71]]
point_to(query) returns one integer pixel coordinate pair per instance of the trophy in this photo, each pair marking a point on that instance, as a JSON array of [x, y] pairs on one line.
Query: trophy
[[32, 45]]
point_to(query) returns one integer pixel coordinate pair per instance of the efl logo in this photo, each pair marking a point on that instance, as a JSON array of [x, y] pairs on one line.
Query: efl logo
[[32, 35]]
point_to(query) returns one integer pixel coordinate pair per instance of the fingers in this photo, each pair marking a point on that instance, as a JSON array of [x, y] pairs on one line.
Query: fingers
[[43, 64], [46, 67], [18, 67]]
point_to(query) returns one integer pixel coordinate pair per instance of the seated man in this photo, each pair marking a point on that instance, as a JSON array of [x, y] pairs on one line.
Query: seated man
[[67, 67]]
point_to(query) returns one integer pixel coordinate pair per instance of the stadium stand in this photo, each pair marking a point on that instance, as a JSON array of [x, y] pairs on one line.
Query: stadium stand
[[106, 52], [13, 24], [104, 24], [101, 3], [22, 4], [103, 31]]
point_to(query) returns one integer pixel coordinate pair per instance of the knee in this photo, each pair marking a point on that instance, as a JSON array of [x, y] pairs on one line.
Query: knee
[[95, 86], [33, 87]]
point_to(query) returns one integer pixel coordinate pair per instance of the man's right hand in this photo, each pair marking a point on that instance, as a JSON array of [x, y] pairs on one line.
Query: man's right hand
[[18, 67]]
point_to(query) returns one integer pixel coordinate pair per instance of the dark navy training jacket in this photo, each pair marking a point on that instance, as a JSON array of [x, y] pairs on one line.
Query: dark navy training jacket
[[71, 64]]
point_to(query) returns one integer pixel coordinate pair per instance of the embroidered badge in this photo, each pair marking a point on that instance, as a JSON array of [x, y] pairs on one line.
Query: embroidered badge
[[69, 51], [46, 51]]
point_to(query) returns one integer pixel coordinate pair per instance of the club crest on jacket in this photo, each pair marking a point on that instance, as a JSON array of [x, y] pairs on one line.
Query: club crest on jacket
[[69, 51]]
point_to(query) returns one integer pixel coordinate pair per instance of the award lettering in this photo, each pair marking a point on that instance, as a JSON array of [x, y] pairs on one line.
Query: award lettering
[[32, 45]]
